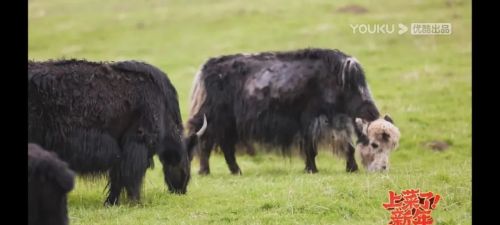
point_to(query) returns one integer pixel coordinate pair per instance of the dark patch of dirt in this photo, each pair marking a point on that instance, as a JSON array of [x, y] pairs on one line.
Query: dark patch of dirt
[[140, 25], [437, 145], [354, 9]]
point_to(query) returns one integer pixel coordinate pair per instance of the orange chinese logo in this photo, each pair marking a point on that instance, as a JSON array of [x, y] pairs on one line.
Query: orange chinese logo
[[412, 207]]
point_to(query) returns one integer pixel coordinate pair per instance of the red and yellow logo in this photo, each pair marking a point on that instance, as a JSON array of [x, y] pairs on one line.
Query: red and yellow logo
[[411, 207]]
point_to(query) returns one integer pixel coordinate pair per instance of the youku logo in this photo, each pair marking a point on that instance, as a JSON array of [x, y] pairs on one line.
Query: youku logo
[[415, 28], [377, 28]]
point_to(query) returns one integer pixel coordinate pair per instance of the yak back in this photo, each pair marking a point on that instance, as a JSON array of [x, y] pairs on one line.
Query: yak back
[[86, 108]]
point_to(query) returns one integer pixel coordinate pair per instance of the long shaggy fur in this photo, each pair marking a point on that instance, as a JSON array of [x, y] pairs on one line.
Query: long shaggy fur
[[279, 98], [107, 117], [49, 181]]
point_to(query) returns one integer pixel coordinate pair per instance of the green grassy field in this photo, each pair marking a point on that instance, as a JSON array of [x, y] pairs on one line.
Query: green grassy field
[[423, 82]]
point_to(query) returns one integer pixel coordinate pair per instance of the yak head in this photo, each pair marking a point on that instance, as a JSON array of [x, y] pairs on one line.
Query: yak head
[[177, 163], [378, 139], [352, 93]]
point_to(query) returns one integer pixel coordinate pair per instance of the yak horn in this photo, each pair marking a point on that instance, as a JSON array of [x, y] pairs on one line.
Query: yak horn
[[203, 128]]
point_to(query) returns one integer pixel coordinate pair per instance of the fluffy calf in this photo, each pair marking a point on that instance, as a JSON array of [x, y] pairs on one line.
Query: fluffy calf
[[379, 138]]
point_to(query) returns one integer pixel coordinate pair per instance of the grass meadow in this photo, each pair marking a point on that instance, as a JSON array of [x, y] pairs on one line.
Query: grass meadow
[[423, 82]]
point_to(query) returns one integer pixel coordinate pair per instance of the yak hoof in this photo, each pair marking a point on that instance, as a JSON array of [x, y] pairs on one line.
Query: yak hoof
[[134, 200], [311, 171], [204, 172], [352, 168], [236, 173], [111, 202]]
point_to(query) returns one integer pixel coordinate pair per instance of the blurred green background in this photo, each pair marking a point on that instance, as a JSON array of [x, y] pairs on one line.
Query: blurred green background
[[423, 82]]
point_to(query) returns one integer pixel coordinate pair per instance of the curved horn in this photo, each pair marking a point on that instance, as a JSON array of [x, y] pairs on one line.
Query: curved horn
[[203, 128]]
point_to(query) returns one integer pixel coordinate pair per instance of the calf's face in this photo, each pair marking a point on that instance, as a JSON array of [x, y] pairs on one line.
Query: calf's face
[[382, 137]]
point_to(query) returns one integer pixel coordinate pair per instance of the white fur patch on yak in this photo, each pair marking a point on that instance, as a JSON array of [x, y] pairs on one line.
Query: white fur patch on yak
[[198, 94], [279, 80]]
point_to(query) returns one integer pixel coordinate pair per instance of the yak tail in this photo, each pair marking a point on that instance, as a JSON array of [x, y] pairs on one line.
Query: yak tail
[[198, 98], [198, 93]]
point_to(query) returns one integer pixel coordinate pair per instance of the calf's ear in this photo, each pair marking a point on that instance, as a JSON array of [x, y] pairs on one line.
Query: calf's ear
[[388, 118]]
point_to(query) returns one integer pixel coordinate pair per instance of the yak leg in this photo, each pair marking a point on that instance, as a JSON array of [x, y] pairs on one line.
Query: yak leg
[[115, 186], [351, 165], [250, 148], [133, 167], [310, 151], [229, 154], [206, 148]]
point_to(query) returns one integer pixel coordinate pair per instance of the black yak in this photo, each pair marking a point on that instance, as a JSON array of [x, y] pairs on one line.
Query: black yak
[[281, 99], [49, 181], [109, 117]]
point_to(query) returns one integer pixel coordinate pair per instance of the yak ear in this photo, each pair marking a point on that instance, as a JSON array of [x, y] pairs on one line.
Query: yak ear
[[65, 179], [192, 140], [359, 122], [190, 143], [388, 118]]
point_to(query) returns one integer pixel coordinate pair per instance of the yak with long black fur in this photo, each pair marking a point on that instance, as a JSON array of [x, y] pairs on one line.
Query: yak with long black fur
[[281, 99], [49, 182], [109, 117]]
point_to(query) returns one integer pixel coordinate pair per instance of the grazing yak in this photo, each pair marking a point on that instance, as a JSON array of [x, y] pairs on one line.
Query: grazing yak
[[49, 181], [109, 117], [282, 99]]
